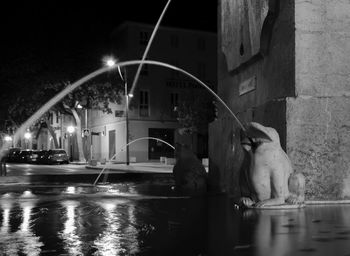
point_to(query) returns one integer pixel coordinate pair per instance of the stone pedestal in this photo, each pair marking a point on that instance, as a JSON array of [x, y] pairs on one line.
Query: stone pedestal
[[298, 83]]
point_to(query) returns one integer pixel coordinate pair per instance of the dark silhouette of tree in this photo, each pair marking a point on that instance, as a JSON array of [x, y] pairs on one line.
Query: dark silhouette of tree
[[195, 113]]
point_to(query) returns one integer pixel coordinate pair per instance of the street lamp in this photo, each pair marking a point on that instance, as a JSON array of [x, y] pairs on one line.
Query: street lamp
[[27, 136], [111, 62], [8, 138], [70, 130]]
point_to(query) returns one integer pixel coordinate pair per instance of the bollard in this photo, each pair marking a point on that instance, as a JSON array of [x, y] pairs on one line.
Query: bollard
[[2, 168]]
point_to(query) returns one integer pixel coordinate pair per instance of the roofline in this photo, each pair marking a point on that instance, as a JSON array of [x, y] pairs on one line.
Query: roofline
[[146, 25]]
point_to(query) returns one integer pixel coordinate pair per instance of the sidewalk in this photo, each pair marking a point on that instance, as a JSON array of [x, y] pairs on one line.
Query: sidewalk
[[116, 171], [146, 167]]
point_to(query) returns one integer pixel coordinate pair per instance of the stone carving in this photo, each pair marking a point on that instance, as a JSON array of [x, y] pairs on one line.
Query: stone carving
[[246, 29], [189, 173], [269, 179], [241, 25]]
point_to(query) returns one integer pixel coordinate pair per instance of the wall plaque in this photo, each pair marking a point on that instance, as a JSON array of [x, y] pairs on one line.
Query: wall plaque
[[247, 85]]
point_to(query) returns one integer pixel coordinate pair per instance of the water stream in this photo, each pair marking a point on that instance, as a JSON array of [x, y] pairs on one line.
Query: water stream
[[126, 145]]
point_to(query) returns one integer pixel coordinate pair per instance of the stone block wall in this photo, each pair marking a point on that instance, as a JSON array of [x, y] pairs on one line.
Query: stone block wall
[[318, 119], [302, 89]]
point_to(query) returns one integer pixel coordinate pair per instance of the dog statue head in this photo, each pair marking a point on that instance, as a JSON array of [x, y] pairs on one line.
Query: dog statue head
[[257, 134]]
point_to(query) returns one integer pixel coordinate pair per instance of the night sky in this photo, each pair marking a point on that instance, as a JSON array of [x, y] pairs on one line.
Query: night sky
[[71, 25]]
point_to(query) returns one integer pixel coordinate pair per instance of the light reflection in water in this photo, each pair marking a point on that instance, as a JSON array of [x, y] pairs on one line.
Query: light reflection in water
[[23, 241], [120, 235], [72, 241], [276, 231], [5, 221], [31, 243], [109, 242], [132, 231], [27, 194], [70, 190]]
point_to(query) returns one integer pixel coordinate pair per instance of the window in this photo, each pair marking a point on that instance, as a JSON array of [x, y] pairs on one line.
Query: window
[[144, 103], [144, 37], [174, 103], [118, 113], [51, 118], [57, 117], [144, 70], [201, 70], [175, 73], [201, 44], [174, 41]]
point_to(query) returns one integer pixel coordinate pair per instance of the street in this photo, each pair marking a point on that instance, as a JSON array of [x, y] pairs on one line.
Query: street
[[16, 169]]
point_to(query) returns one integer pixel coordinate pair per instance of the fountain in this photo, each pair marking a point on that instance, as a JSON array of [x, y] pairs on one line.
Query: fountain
[[70, 88], [121, 150]]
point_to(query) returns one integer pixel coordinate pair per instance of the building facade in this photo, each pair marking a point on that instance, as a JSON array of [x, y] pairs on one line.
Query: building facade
[[159, 91]]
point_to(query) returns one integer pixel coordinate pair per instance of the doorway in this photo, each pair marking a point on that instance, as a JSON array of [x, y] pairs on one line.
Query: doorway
[[111, 140]]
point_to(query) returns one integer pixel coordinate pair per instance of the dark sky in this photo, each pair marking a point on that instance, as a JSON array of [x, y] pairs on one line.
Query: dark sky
[[61, 24]]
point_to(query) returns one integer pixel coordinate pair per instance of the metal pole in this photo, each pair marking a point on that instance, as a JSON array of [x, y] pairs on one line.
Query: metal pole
[[127, 162], [61, 131], [86, 118], [127, 122]]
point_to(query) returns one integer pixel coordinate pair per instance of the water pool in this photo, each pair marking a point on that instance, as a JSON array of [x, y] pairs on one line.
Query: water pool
[[150, 219]]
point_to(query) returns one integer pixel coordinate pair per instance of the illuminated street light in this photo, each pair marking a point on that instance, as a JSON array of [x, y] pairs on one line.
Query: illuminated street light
[[27, 135], [70, 129], [8, 138], [109, 61]]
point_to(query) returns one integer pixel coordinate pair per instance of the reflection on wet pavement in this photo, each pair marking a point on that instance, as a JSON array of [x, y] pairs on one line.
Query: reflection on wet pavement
[[143, 221]]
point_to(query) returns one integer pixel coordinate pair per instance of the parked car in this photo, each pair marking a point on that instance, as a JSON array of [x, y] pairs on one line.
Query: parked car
[[41, 156], [36, 156], [24, 156], [13, 155], [58, 156]]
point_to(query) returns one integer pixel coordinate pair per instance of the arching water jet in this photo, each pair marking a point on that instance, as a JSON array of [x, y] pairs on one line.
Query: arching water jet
[[81, 81], [131, 142]]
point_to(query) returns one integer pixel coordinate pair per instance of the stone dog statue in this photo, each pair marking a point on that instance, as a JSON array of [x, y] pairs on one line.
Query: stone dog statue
[[189, 173], [270, 179]]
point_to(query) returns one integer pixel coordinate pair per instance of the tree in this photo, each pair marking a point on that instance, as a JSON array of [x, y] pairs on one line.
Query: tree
[[41, 78], [195, 113]]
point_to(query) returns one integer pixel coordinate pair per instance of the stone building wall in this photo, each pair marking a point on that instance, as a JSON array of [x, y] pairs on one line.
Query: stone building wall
[[299, 85], [318, 118]]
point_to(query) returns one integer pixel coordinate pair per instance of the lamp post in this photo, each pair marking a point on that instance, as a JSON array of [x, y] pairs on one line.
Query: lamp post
[[110, 62], [70, 130]]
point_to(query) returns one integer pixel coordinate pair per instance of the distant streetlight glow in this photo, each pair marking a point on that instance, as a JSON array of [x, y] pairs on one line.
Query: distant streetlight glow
[[8, 138], [110, 62], [70, 129], [27, 135]]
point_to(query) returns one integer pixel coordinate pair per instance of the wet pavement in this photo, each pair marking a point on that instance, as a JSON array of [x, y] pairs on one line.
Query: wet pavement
[[150, 218]]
